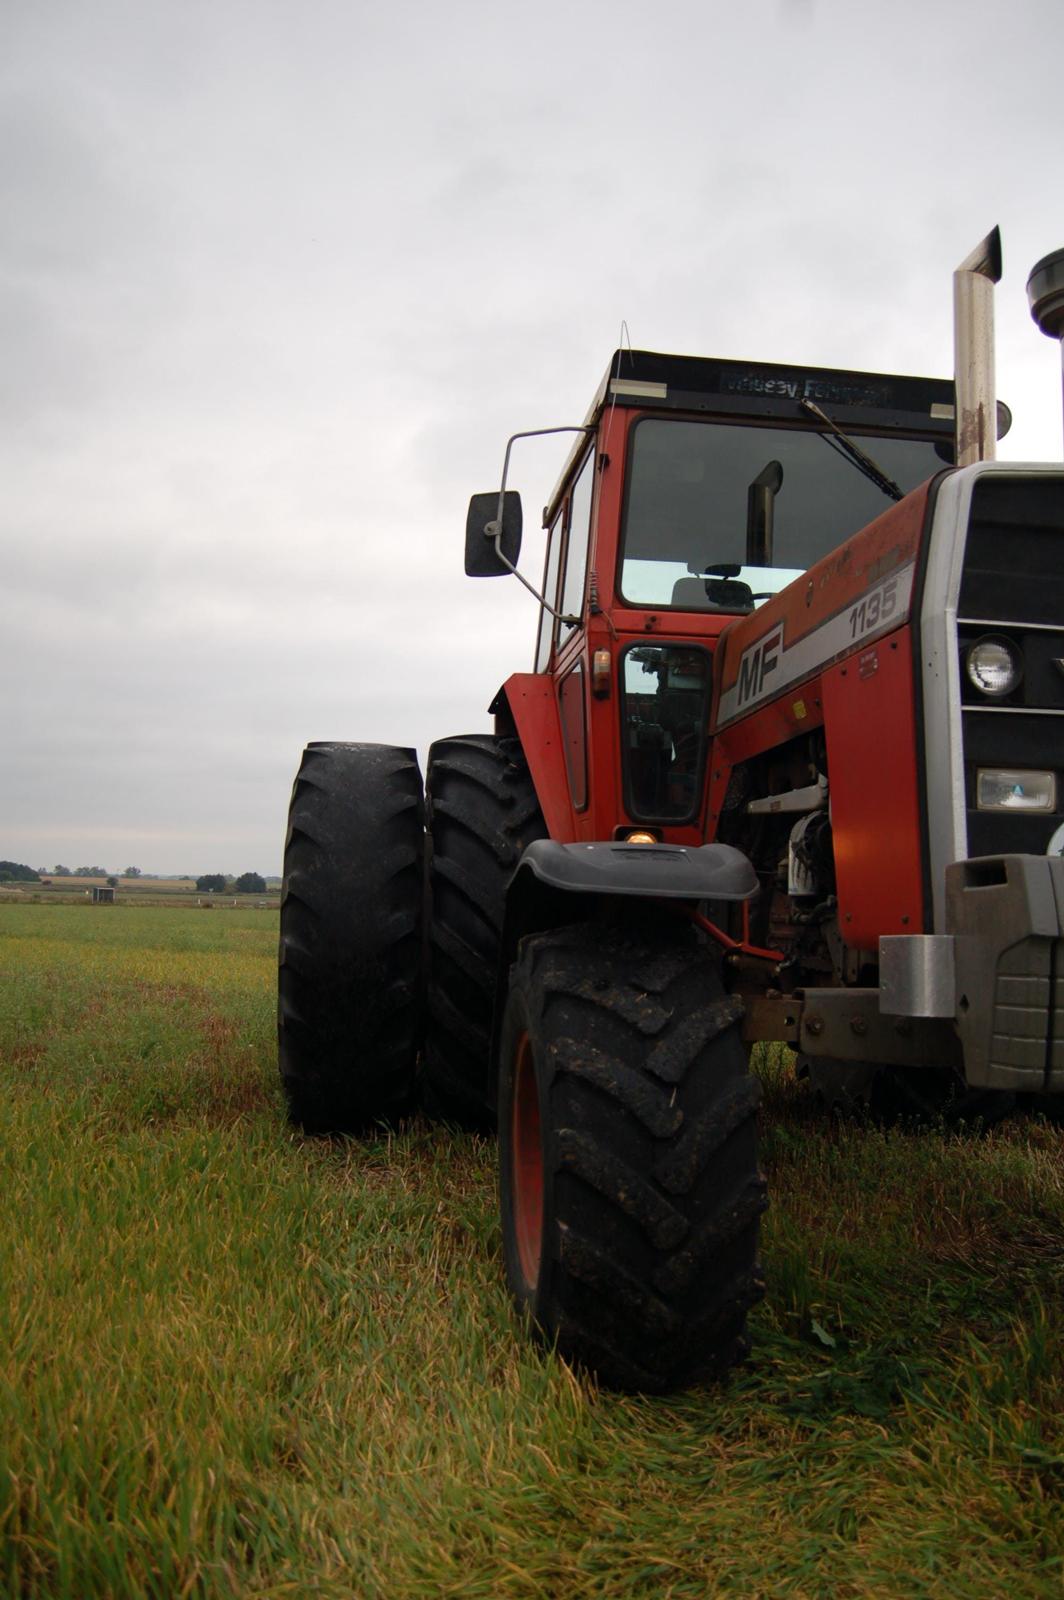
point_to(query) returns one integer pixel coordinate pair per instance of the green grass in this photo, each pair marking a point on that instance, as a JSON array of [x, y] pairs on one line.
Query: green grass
[[234, 1362]]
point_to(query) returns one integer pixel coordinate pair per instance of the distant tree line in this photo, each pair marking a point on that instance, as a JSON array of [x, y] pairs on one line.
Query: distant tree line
[[207, 883], [15, 872], [218, 883]]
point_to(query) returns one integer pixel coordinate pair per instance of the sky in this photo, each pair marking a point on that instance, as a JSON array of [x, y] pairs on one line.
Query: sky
[[277, 281]]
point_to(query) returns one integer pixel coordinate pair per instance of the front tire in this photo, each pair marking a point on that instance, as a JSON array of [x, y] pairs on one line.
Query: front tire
[[349, 978], [629, 1185]]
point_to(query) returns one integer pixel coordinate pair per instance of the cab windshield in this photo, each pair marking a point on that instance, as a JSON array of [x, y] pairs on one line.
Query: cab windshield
[[687, 508]]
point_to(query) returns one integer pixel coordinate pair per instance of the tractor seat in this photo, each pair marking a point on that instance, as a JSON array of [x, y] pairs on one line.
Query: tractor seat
[[729, 594], [690, 593]]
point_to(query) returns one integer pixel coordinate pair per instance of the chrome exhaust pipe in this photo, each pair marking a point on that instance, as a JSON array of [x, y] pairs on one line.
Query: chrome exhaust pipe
[[973, 345], [1045, 296]]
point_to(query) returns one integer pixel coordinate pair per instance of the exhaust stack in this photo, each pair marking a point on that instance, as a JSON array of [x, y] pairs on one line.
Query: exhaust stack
[[973, 344], [1045, 296]]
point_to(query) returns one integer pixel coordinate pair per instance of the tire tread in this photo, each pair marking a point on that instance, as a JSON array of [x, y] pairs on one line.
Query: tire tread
[[652, 1191], [349, 963], [482, 813]]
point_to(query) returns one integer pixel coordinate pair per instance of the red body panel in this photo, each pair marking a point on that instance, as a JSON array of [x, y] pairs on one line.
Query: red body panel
[[533, 703], [854, 677], [817, 611], [875, 796]]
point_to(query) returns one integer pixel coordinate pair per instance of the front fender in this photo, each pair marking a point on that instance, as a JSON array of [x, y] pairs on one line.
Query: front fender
[[555, 884], [527, 703], [651, 871]]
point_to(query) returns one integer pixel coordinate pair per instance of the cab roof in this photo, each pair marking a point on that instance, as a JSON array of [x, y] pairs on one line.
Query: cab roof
[[765, 391]]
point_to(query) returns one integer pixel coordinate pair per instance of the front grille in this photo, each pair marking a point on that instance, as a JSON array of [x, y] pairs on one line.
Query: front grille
[[1013, 585], [1014, 556]]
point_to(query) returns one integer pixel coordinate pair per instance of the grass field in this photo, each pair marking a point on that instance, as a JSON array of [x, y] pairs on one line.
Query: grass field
[[234, 1362]]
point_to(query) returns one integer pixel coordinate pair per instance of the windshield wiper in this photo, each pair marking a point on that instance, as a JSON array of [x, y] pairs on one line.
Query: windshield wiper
[[853, 452]]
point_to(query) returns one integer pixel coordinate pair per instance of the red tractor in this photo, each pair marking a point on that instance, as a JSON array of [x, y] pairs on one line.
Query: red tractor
[[770, 778]]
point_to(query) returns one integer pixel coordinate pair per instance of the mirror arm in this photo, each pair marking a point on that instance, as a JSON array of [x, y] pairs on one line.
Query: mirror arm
[[558, 615], [493, 529]]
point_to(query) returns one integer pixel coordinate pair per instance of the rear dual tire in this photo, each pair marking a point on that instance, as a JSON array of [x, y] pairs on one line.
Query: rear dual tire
[[482, 815], [349, 979]]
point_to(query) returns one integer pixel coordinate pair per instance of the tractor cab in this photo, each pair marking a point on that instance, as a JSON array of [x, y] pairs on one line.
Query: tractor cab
[[695, 491]]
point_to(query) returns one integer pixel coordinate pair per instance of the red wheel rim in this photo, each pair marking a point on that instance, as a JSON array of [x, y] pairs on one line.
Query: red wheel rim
[[527, 1154]]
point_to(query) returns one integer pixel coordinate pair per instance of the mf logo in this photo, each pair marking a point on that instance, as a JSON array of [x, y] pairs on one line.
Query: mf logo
[[757, 664]]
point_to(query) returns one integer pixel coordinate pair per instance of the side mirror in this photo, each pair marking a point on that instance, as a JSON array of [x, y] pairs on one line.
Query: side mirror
[[481, 559]]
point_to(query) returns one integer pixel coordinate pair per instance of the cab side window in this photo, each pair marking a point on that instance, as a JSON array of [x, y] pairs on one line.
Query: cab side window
[[550, 590], [576, 548]]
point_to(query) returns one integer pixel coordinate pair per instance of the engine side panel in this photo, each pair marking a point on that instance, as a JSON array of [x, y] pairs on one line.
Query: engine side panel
[[855, 595], [875, 798]]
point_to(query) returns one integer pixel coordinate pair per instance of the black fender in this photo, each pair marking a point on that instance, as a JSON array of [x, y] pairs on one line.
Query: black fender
[[555, 884], [651, 871]]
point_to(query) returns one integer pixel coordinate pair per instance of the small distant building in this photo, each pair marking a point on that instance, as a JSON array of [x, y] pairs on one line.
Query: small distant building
[[102, 896]]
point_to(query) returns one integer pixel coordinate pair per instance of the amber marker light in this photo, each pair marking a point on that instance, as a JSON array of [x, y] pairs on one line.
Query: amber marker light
[[640, 836], [600, 674]]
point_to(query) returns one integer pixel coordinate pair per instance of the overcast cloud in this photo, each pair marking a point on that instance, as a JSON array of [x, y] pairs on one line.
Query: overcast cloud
[[276, 282]]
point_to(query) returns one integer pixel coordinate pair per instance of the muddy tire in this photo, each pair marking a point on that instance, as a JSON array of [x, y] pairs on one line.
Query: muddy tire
[[482, 814], [349, 981], [629, 1186]]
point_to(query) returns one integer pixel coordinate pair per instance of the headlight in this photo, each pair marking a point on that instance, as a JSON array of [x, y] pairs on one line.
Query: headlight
[[998, 789], [994, 666]]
